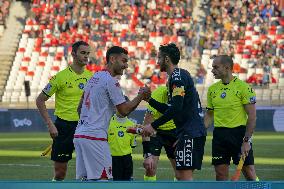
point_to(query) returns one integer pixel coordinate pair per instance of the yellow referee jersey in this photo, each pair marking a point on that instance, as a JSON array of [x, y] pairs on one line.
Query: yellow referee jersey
[[120, 142], [227, 102], [68, 87], [161, 95]]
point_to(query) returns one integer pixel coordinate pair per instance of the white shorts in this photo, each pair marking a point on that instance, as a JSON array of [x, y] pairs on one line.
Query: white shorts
[[93, 159]]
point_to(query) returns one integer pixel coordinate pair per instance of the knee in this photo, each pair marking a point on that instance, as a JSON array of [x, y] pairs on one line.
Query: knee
[[183, 175]]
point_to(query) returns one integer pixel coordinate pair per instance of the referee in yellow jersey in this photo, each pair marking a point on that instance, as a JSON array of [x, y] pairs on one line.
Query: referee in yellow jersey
[[165, 137], [231, 104], [67, 85]]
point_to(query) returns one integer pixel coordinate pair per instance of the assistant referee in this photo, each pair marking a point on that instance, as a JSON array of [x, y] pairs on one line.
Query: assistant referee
[[67, 85], [231, 104]]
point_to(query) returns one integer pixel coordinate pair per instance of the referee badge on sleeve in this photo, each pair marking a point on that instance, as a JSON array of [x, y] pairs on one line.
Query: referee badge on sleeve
[[252, 100], [47, 88]]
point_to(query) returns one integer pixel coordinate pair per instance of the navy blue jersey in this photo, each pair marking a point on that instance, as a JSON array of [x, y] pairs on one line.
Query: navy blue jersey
[[184, 106]]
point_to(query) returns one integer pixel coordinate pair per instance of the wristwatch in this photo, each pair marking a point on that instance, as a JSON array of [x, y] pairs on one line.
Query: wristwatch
[[146, 155], [247, 139]]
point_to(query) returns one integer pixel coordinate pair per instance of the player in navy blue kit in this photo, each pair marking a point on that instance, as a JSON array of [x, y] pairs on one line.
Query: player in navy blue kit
[[185, 109]]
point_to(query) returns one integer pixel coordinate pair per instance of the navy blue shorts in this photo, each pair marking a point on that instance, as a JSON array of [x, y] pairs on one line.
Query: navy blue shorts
[[189, 153], [166, 139]]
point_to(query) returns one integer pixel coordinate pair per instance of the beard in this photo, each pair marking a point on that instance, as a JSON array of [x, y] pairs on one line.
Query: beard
[[163, 68], [118, 71]]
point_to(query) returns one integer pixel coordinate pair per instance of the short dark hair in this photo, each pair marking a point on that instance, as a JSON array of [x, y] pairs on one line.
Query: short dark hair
[[77, 44], [115, 50], [224, 59], [172, 51]]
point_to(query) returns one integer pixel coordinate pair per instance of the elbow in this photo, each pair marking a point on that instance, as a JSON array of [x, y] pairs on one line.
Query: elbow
[[38, 101]]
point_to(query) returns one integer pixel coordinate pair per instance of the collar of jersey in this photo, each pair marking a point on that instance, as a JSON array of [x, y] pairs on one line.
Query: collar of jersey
[[106, 70], [229, 82]]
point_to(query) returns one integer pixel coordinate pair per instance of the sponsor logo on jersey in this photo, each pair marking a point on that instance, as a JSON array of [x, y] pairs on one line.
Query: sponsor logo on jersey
[[120, 133], [223, 95], [81, 85]]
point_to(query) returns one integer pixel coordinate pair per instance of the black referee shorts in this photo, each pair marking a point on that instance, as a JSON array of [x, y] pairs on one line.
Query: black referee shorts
[[122, 168], [166, 139], [62, 147], [226, 145]]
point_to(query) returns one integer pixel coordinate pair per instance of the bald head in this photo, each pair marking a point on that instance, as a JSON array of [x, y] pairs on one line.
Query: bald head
[[225, 60]]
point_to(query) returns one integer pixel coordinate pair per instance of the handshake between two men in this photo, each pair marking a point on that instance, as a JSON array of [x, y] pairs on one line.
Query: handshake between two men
[[146, 130]]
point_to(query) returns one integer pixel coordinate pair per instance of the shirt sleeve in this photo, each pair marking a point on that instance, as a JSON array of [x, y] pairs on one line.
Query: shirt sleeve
[[151, 110], [176, 104], [248, 95], [155, 106], [52, 86], [114, 91]]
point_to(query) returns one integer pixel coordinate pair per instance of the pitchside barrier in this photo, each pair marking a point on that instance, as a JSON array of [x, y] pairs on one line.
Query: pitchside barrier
[[141, 185], [29, 120]]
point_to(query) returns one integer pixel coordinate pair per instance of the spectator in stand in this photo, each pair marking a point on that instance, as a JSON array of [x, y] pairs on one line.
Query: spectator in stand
[[201, 73], [253, 79], [267, 12], [101, 23], [148, 73], [266, 74]]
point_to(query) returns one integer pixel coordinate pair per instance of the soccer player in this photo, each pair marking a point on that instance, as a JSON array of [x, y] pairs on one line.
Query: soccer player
[[67, 85], [231, 104], [185, 109], [102, 95], [165, 137], [121, 144]]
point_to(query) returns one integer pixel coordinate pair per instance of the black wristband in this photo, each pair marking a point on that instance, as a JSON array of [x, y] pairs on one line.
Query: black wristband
[[146, 147]]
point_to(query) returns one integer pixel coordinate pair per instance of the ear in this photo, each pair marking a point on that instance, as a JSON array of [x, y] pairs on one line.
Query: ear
[[111, 59], [167, 58], [73, 53]]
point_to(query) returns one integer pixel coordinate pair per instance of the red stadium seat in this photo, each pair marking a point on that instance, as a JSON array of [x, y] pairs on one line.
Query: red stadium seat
[[246, 56], [31, 73], [42, 64], [55, 68], [133, 43], [24, 68], [166, 39], [27, 59], [22, 49], [152, 62]]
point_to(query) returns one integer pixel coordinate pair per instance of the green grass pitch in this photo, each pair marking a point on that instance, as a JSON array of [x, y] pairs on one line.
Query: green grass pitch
[[20, 158]]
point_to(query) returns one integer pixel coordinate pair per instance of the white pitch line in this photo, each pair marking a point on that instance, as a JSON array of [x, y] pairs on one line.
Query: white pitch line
[[140, 168]]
